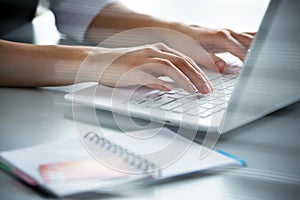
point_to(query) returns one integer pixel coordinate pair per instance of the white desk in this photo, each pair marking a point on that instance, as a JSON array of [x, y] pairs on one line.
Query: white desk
[[270, 146]]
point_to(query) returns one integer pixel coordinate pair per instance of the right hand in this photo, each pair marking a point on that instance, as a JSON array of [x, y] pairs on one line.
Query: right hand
[[144, 65]]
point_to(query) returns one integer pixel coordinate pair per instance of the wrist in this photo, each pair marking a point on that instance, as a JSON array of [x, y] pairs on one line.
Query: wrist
[[64, 62], [180, 27]]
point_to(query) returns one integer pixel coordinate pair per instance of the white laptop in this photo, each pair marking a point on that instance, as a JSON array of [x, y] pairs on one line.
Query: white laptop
[[269, 80]]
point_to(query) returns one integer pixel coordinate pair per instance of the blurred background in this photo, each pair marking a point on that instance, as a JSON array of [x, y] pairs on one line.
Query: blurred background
[[238, 15]]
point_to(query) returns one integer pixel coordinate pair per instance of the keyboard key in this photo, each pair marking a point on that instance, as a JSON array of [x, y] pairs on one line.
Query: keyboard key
[[190, 104], [208, 106], [176, 96], [161, 101], [219, 102], [196, 111], [137, 101], [171, 105], [222, 106], [205, 114], [181, 109], [190, 97]]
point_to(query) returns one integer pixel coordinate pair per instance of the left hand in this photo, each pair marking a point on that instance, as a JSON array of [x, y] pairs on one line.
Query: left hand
[[219, 41]]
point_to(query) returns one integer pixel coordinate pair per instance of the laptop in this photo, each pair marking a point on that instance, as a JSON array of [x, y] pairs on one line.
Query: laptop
[[269, 80]]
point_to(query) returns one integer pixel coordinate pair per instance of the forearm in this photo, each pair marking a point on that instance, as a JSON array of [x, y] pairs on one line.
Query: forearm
[[27, 65], [116, 18]]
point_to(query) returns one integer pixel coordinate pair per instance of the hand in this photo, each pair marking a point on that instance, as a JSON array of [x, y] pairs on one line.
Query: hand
[[143, 65], [212, 40], [218, 41]]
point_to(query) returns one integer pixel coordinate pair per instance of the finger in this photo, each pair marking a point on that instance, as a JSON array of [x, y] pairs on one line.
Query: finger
[[250, 33], [167, 68], [153, 82], [233, 46], [203, 58], [219, 64], [138, 77], [196, 77], [142, 76], [213, 62], [244, 39], [159, 57], [167, 49]]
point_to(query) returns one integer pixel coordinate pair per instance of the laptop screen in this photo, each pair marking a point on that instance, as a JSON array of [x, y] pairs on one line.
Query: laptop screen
[[270, 79]]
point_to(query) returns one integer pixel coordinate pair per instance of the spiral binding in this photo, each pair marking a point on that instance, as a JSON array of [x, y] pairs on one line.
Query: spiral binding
[[129, 157]]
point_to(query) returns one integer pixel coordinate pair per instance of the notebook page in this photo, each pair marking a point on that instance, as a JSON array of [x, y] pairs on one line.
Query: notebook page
[[27, 163], [172, 153]]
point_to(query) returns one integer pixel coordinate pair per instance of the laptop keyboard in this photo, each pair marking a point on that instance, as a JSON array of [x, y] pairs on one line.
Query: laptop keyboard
[[195, 104]]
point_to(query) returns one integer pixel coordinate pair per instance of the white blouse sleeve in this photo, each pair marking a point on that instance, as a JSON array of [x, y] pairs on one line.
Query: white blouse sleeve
[[73, 17]]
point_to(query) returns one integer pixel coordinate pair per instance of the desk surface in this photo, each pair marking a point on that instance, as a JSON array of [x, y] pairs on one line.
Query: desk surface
[[270, 146]]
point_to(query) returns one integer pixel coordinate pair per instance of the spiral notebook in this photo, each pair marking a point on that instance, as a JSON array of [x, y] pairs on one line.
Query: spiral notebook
[[98, 163]]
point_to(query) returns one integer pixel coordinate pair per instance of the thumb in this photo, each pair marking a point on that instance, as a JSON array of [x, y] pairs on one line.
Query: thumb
[[153, 82], [214, 62]]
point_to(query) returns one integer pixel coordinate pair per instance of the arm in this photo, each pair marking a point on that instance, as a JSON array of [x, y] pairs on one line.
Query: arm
[[29, 65], [116, 18]]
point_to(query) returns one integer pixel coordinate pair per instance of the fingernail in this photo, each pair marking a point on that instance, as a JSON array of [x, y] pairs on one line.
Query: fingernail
[[191, 88], [167, 86], [205, 88], [163, 88], [221, 66]]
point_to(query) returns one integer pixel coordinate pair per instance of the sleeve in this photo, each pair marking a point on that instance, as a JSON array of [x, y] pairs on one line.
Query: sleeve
[[73, 17]]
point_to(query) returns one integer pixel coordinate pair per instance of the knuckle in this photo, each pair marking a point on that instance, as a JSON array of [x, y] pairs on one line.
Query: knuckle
[[148, 49], [180, 60], [163, 61], [197, 76], [161, 45], [221, 34]]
